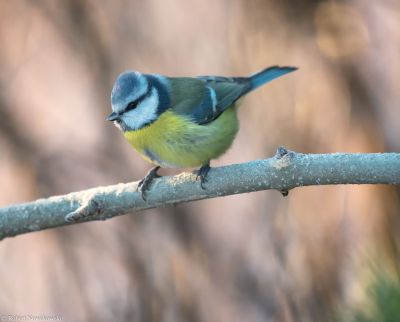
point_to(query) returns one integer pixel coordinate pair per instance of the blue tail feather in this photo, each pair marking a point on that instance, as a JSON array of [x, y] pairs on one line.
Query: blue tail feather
[[268, 74]]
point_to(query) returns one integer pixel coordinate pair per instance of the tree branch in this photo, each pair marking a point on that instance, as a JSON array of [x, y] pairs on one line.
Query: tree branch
[[285, 171]]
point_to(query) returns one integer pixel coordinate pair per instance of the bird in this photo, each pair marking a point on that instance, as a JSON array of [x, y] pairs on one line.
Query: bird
[[181, 122]]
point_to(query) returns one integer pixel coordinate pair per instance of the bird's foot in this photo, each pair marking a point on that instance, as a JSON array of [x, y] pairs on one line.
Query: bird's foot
[[202, 174], [144, 184]]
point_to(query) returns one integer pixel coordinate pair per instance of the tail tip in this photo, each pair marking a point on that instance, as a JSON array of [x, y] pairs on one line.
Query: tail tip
[[269, 74], [288, 68]]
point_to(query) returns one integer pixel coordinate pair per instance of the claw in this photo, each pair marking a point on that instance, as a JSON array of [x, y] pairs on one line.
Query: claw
[[202, 174], [144, 184]]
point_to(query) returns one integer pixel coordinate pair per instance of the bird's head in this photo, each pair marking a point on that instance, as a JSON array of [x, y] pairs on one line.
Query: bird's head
[[138, 100]]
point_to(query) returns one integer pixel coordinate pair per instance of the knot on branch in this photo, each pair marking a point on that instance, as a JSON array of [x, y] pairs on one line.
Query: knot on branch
[[90, 207], [283, 158]]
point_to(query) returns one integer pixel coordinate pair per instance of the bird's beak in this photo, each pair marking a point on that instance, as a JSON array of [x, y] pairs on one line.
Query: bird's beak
[[112, 117]]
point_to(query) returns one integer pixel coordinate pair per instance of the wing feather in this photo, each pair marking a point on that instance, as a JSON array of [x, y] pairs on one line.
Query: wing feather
[[204, 98]]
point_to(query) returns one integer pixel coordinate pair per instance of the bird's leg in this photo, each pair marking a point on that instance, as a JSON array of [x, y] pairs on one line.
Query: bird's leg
[[144, 184], [202, 174]]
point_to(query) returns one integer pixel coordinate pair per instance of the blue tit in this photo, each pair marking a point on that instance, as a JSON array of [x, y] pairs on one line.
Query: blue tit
[[180, 122]]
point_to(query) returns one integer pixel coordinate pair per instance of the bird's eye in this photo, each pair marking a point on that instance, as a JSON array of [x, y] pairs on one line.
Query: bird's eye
[[132, 105]]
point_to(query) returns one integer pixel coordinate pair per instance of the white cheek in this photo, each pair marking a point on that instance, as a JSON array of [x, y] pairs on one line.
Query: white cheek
[[117, 125], [144, 113]]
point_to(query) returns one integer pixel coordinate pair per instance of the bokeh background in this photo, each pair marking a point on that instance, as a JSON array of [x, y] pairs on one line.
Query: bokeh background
[[253, 257]]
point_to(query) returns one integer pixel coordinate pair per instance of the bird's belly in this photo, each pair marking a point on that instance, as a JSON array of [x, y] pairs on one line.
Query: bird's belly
[[173, 141], [151, 156]]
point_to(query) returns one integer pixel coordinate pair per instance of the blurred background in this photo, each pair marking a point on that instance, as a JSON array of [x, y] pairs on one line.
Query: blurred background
[[317, 255]]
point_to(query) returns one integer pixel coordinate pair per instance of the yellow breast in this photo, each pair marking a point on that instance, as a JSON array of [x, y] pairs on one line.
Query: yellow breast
[[175, 141]]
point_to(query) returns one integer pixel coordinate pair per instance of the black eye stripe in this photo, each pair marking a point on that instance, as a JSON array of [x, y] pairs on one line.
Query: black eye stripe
[[132, 105]]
